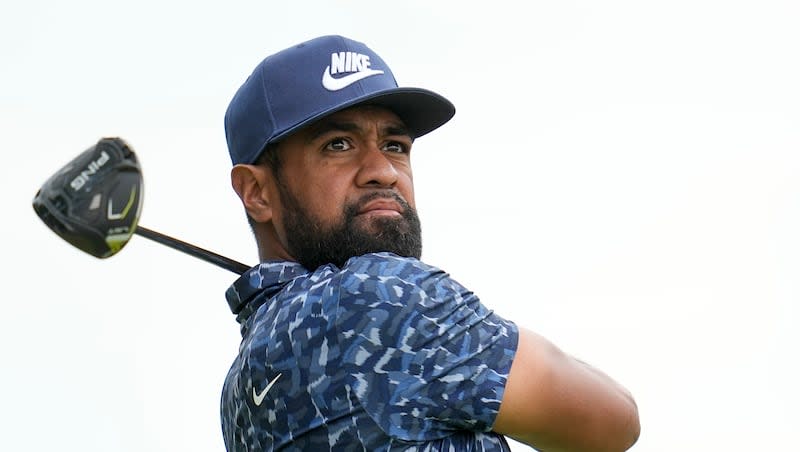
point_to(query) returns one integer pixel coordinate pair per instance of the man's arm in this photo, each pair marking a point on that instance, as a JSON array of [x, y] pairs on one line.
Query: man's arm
[[557, 403]]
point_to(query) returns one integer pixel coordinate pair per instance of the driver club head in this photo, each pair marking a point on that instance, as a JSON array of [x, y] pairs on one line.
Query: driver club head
[[94, 202]]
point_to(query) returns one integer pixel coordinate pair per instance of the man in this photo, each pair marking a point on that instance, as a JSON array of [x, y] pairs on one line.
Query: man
[[350, 342]]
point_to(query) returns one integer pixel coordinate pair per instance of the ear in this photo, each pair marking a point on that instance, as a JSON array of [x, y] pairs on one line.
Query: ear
[[251, 183]]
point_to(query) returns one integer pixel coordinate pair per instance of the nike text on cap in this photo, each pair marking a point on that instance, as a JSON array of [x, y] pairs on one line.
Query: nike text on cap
[[299, 85]]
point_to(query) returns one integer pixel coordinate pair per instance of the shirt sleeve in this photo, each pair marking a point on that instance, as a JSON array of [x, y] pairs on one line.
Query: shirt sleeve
[[425, 357]]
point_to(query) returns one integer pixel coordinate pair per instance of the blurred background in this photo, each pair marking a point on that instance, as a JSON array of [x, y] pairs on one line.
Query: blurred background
[[620, 176]]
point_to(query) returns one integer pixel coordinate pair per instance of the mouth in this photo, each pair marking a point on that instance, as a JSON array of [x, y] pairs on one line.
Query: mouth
[[381, 207]]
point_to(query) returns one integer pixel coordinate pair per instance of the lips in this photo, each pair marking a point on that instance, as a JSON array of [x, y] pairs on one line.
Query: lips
[[382, 206]]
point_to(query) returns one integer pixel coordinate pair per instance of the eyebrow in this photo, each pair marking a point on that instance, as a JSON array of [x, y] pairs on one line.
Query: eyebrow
[[329, 125]]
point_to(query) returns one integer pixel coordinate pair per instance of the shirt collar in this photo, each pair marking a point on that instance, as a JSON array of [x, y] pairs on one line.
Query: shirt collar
[[259, 284]]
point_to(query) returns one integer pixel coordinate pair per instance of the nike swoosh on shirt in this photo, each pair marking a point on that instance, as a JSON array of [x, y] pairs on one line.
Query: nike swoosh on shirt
[[258, 398], [335, 84]]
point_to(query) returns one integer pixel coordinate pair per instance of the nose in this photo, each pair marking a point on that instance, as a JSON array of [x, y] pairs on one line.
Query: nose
[[377, 169]]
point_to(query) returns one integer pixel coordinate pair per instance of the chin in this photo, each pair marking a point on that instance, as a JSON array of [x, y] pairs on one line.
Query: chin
[[382, 224]]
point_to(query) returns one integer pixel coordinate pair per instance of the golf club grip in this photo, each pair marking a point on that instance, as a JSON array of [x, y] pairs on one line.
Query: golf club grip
[[188, 248]]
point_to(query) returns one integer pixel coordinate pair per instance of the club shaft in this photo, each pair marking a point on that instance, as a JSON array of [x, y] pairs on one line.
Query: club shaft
[[192, 250]]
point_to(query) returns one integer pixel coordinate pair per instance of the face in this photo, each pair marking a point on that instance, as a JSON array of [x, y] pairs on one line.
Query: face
[[345, 188]]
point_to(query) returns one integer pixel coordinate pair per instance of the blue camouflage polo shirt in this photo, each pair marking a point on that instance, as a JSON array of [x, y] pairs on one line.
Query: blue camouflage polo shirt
[[384, 354]]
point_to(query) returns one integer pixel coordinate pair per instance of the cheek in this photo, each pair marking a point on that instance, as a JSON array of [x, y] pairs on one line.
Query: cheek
[[326, 200], [405, 185], [318, 189]]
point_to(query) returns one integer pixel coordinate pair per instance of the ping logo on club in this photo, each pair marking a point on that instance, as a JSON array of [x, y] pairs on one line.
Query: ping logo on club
[[354, 64], [81, 179]]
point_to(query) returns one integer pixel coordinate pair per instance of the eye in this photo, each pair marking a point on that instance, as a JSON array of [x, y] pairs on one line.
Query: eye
[[397, 147], [338, 145]]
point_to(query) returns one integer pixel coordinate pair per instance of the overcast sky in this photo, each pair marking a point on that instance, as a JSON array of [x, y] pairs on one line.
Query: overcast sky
[[620, 176]]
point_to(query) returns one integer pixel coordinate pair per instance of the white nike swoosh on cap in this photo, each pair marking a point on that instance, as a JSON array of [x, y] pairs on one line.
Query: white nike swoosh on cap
[[258, 398], [335, 84]]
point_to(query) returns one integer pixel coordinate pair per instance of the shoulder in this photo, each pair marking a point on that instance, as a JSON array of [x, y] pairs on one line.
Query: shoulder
[[369, 271], [398, 293], [388, 264], [385, 278]]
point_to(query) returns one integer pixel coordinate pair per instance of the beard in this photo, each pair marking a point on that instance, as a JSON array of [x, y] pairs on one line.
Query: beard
[[314, 245]]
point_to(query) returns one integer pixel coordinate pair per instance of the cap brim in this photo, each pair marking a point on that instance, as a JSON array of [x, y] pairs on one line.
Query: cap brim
[[421, 110]]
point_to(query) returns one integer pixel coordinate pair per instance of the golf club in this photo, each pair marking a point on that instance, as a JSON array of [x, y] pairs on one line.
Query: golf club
[[94, 203]]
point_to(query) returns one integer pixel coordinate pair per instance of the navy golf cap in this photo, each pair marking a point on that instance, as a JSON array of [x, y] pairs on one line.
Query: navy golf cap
[[301, 84]]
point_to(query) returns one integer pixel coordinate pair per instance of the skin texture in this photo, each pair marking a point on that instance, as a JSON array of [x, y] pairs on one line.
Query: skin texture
[[557, 403], [360, 158]]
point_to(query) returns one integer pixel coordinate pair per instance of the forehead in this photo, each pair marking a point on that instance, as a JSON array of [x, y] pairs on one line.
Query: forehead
[[362, 116], [366, 110]]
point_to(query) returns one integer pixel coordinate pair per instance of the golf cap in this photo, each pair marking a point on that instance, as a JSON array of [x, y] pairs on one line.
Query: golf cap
[[299, 85]]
